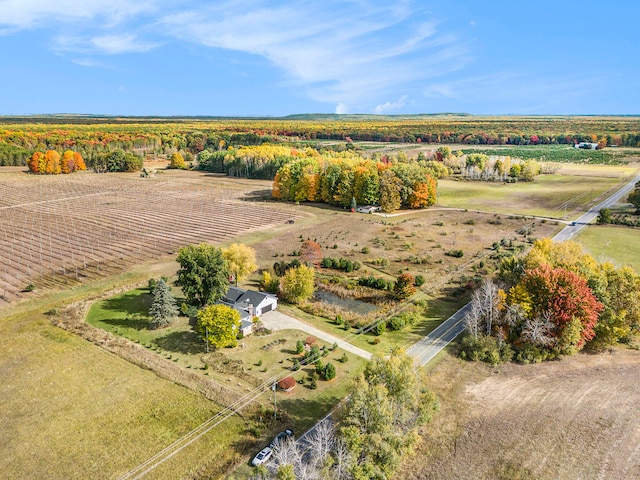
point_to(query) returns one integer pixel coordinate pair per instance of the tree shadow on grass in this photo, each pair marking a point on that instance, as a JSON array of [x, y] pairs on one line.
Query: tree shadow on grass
[[131, 303], [181, 342], [261, 194], [288, 351], [136, 322]]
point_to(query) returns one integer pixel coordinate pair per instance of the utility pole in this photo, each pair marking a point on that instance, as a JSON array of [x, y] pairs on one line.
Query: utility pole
[[274, 388]]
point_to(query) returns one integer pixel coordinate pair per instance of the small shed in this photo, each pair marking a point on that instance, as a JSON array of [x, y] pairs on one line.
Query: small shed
[[287, 384]]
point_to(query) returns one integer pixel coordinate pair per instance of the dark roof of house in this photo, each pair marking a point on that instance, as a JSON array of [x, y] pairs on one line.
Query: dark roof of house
[[241, 299], [233, 295]]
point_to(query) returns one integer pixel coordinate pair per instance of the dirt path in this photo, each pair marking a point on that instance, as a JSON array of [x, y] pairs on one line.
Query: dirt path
[[276, 320]]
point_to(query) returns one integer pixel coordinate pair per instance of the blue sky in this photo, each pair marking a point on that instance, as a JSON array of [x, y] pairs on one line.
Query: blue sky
[[254, 57]]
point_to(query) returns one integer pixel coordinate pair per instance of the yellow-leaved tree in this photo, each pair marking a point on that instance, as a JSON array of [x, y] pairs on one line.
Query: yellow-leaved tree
[[241, 260]]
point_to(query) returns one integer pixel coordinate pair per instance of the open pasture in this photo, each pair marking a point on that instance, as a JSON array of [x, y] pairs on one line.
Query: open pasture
[[60, 230], [615, 244], [554, 196], [73, 410]]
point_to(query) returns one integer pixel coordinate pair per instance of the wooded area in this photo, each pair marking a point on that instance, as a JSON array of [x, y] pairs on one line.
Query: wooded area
[[21, 136]]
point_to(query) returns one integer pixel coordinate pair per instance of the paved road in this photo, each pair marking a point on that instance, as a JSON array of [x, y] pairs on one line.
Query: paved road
[[570, 230], [443, 335], [432, 344], [276, 320]]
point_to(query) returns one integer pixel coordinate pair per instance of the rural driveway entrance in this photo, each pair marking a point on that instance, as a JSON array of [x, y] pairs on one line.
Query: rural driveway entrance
[[276, 320]]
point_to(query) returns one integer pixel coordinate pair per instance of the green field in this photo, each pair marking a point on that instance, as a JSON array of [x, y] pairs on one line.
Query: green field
[[619, 245], [73, 410], [556, 153], [555, 196]]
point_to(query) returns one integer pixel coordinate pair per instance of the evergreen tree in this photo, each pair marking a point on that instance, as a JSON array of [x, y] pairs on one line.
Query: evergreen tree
[[164, 309]]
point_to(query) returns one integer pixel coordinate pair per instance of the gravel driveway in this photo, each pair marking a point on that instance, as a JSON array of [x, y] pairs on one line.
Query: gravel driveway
[[276, 320]]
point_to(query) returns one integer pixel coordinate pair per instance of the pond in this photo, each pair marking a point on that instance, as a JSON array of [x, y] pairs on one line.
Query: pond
[[351, 304]]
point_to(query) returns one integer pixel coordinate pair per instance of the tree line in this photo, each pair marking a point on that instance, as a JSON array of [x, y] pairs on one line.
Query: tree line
[[349, 181], [93, 136]]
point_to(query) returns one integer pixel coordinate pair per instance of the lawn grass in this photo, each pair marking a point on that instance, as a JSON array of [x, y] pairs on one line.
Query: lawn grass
[[258, 358], [547, 196], [616, 244]]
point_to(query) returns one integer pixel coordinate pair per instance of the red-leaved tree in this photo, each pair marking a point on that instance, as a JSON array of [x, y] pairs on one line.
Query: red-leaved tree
[[311, 253], [562, 296]]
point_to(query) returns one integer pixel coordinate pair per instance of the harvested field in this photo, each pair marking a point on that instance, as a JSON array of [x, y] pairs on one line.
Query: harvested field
[[60, 230], [418, 242], [574, 418]]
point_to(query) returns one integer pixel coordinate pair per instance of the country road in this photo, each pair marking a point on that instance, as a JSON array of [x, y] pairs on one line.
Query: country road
[[570, 230], [432, 344], [427, 348]]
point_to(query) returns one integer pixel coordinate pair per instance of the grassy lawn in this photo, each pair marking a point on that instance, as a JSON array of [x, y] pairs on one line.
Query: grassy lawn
[[256, 359], [619, 245], [546, 196]]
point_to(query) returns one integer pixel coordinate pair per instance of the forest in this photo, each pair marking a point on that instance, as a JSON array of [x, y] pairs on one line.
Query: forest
[[21, 136]]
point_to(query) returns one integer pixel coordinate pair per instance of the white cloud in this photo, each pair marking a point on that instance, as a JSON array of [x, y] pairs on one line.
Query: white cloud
[[27, 14], [353, 53], [390, 106], [342, 109], [87, 62], [114, 44], [104, 44], [343, 52]]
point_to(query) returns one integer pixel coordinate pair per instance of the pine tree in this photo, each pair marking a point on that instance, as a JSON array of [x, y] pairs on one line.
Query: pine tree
[[164, 309]]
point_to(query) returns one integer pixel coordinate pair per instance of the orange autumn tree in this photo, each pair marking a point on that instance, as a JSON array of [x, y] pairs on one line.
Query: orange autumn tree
[[51, 163], [423, 195], [311, 253], [34, 162], [79, 161]]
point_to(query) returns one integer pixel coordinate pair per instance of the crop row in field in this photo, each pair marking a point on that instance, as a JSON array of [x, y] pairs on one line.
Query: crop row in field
[[62, 230], [555, 153]]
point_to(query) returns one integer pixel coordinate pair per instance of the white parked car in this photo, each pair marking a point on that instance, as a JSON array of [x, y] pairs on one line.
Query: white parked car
[[262, 457]]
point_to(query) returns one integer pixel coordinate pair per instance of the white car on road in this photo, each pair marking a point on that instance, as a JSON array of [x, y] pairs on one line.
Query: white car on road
[[262, 457]]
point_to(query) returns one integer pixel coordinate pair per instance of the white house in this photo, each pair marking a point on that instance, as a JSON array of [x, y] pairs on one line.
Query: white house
[[249, 304]]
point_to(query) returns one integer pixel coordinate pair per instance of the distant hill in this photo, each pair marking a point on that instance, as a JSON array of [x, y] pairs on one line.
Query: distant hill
[[58, 118], [333, 117]]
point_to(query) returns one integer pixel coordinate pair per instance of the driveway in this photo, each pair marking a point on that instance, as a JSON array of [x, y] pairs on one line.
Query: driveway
[[276, 320]]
